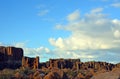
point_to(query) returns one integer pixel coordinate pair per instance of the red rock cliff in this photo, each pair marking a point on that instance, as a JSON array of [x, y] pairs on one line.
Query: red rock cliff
[[10, 57], [32, 63], [63, 63]]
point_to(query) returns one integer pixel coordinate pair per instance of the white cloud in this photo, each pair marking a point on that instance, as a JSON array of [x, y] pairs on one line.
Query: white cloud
[[92, 36], [78, 42], [74, 16], [42, 49], [116, 22], [117, 34], [43, 12], [59, 43], [117, 5]]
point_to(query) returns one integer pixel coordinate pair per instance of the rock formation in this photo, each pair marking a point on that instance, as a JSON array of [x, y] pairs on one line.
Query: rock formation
[[12, 53], [32, 63], [76, 64], [63, 63], [10, 57], [56, 74], [95, 65]]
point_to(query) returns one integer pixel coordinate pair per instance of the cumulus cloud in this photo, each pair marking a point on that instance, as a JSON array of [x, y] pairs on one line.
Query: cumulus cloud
[[59, 43], [93, 36], [74, 16], [116, 22], [117, 34]]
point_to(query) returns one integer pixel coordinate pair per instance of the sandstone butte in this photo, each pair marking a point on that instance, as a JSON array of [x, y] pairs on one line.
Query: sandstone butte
[[12, 57]]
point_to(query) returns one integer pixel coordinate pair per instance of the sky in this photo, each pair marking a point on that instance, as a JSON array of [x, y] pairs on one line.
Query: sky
[[85, 29]]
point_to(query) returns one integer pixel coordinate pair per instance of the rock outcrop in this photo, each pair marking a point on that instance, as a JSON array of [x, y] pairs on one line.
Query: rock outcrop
[[32, 63], [12, 53], [56, 74], [95, 65], [76, 64], [10, 57], [63, 63]]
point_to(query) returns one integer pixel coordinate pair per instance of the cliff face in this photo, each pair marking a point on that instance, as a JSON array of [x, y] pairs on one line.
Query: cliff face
[[63, 63], [32, 63], [11, 53], [10, 57], [96, 65], [76, 64]]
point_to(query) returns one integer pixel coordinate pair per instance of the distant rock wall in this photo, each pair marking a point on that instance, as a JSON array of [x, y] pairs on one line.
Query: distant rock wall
[[32, 63], [10, 57], [76, 64], [95, 65], [61, 63]]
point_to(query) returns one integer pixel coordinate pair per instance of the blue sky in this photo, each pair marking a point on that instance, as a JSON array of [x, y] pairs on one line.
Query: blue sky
[[85, 29]]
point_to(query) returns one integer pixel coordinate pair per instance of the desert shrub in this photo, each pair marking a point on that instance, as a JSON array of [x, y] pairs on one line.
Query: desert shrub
[[72, 73], [18, 75], [6, 74], [25, 71], [45, 71]]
